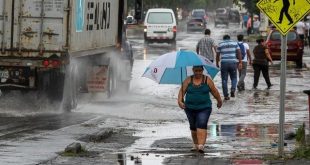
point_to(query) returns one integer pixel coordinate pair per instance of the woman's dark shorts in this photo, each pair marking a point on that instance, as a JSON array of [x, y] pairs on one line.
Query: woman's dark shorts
[[198, 118]]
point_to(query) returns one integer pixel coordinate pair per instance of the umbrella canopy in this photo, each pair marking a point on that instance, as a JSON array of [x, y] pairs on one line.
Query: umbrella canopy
[[174, 67]]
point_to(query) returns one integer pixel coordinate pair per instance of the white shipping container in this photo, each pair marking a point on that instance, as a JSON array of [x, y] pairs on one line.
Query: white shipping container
[[37, 28]]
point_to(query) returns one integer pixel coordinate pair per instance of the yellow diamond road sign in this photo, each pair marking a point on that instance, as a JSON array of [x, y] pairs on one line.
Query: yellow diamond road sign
[[284, 14]]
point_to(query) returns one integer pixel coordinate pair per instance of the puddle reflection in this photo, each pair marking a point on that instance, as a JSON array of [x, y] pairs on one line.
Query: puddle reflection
[[139, 159], [254, 131]]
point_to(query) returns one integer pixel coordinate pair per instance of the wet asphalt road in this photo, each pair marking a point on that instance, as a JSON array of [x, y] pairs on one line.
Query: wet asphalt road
[[146, 126]]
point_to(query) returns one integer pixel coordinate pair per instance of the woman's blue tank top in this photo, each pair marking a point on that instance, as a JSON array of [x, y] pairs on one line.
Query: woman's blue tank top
[[198, 96]]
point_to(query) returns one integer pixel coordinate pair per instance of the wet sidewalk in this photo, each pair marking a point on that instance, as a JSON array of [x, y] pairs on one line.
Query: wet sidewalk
[[238, 144]]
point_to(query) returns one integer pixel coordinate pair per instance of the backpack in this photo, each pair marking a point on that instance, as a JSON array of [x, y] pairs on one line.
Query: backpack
[[242, 49]]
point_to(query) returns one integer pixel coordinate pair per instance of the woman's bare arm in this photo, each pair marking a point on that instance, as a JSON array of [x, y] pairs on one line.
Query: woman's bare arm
[[182, 92], [268, 56], [214, 92]]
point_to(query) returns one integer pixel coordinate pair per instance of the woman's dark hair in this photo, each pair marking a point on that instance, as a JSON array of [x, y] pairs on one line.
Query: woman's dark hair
[[259, 41], [198, 67]]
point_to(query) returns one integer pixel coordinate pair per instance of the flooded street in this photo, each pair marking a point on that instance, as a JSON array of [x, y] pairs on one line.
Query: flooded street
[[146, 127]]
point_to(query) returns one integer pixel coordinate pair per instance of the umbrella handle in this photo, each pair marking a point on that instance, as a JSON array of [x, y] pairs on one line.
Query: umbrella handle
[[182, 85]]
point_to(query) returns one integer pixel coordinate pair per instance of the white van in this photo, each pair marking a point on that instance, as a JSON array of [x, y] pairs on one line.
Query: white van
[[160, 26]]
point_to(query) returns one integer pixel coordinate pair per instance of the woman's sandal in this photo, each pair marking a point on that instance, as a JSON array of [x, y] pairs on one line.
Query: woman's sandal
[[201, 148]]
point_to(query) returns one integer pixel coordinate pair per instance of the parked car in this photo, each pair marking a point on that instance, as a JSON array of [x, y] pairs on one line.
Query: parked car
[[196, 13], [160, 26], [196, 24], [295, 47], [221, 17]]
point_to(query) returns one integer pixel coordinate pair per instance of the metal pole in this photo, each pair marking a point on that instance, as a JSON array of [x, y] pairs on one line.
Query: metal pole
[[182, 84], [308, 93], [282, 95]]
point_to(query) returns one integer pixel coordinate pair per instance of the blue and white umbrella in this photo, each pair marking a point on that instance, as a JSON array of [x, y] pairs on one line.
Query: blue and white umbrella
[[174, 67]]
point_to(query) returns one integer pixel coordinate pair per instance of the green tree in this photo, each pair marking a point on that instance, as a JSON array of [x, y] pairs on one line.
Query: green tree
[[250, 5], [184, 4]]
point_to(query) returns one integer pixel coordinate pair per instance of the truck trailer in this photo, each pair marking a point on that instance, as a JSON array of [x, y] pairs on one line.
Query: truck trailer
[[60, 48]]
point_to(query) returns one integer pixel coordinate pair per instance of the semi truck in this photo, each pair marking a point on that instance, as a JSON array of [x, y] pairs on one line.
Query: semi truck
[[60, 48]]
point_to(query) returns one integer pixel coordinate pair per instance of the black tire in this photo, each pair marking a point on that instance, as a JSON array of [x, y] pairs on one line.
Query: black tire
[[173, 44], [299, 63]]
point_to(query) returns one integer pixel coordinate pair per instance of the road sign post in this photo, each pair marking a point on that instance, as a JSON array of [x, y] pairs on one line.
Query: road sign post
[[282, 95], [284, 14]]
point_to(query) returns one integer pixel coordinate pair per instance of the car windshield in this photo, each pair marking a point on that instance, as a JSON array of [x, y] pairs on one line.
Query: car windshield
[[234, 12], [277, 36], [198, 14], [129, 18], [220, 11], [160, 18]]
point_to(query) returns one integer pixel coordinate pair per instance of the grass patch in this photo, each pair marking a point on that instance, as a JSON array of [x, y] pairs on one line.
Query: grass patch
[[270, 157], [303, 150], [83, 152]]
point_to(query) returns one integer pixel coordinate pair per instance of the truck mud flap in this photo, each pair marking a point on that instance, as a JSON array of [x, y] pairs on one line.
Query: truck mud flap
[[50, 83]]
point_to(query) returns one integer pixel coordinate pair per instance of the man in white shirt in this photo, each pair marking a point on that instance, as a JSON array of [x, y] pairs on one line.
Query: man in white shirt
[[301, 30], [308, 29], [246, 56]]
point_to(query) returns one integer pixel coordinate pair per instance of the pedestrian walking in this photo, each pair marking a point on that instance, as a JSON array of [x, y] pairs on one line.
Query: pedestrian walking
[[249, 26], [301, 30], [256, 25], [198, 105], [246, 57], [206, 46], [285, 10], [307, 23], [245, 20], [261, 63], [228, 52]]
